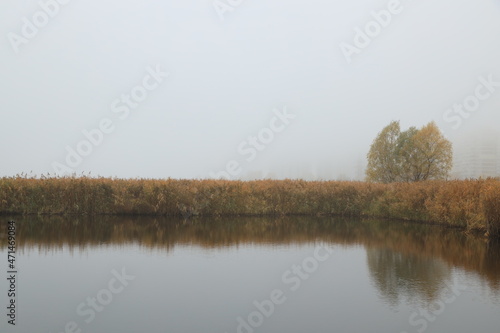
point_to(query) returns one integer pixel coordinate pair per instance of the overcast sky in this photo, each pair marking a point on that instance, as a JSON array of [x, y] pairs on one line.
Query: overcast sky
[[178, 88]]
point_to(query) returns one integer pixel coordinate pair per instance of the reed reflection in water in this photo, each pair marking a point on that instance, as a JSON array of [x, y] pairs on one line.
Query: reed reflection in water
[[407, 264]]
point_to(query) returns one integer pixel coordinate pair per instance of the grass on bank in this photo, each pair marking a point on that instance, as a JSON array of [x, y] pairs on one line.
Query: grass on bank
[[471, 204]]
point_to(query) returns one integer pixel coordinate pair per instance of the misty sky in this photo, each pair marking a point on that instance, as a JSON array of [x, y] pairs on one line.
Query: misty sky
[[229, 79]]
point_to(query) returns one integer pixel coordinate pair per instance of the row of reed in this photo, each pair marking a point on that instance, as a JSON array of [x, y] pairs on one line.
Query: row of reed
[[471, 204]]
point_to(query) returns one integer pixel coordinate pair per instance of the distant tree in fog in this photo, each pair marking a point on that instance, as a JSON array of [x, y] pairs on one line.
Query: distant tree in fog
[[409, 156]]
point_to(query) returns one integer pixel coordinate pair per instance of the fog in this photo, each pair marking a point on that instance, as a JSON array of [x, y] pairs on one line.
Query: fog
[[238, 89]]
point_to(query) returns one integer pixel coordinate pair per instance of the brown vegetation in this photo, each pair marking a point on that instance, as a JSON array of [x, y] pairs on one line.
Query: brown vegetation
[[471, 204]]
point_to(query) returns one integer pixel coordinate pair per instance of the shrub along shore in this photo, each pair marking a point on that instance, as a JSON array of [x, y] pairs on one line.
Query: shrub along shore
[[468, 204]]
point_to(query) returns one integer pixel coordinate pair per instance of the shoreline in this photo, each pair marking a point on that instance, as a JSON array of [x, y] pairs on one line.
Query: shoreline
[[473, 205]]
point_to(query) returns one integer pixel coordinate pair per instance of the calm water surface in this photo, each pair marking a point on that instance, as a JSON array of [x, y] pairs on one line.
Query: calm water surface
[[250, 275]]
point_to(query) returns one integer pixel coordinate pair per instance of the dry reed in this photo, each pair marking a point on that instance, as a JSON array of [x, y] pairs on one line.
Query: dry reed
[[471, 204]]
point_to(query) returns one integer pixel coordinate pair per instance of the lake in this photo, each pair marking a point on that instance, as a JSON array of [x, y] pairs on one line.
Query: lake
[[245, 274]]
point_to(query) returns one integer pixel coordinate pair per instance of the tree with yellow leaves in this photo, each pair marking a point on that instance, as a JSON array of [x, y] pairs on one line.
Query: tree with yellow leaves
[[409, 156]]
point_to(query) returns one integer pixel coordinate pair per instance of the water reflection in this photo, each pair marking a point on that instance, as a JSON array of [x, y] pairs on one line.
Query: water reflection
[[405, 260], [397, 275]]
